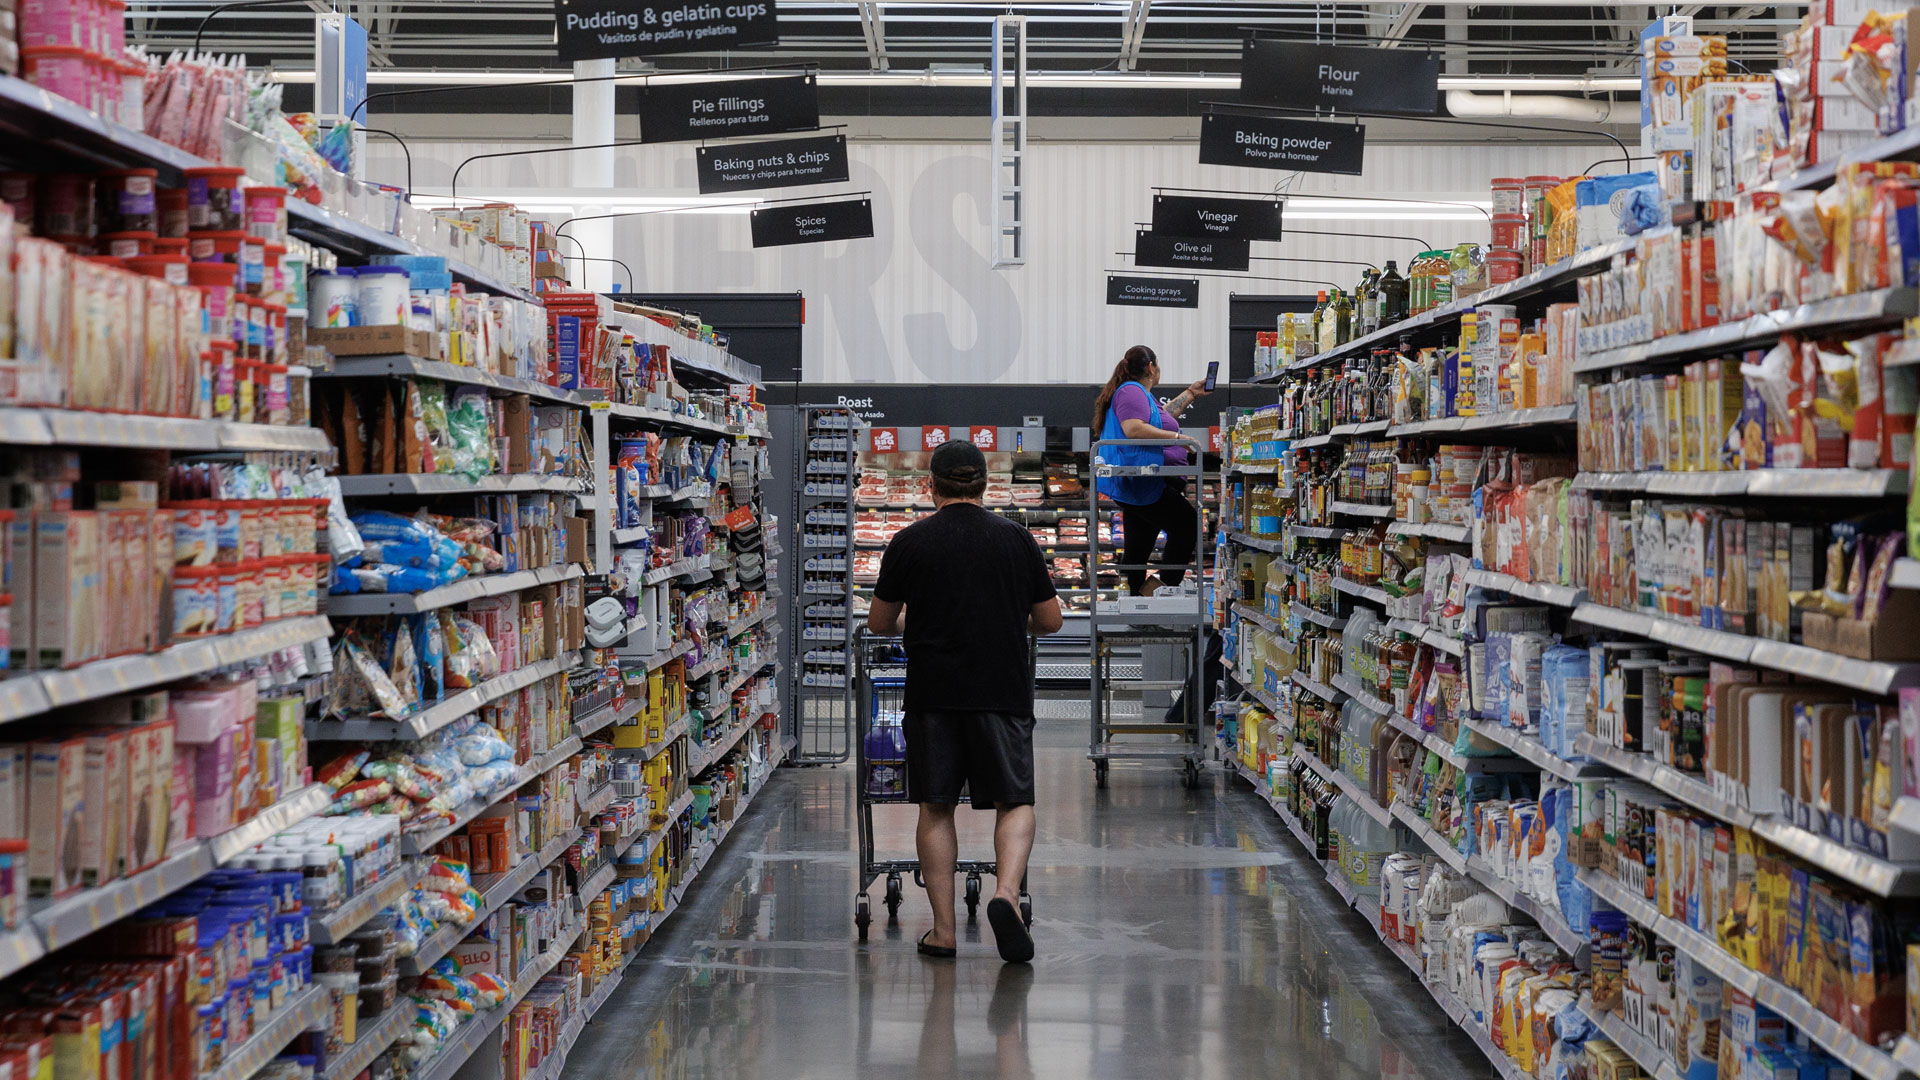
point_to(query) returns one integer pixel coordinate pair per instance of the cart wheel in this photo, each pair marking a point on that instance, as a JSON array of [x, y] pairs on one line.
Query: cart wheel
[[894, 897], [1100, 775], [1191, 775], [862, 915], [1026, 910], [973, 896]]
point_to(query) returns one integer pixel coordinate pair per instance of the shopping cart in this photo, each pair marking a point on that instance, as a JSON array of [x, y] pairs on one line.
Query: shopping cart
[[881, 777]]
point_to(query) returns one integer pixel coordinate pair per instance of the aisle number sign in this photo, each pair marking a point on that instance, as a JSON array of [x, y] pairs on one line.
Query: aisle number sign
[[885, 440], [986, 438], [603, 29], [932, 436]]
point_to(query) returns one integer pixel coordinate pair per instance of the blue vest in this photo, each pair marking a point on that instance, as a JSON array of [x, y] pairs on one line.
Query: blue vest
[[1136, 490]]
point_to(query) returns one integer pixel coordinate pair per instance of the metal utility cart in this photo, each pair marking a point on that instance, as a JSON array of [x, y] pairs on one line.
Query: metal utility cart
[[1147, 653], [881, 682]]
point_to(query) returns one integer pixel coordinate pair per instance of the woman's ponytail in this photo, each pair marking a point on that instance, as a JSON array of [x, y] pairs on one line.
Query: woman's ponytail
[[1131, 368]]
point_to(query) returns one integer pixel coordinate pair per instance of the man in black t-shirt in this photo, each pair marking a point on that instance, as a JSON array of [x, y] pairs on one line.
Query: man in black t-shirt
[[964, 587]]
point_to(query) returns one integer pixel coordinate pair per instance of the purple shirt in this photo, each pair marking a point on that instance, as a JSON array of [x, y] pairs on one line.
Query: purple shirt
[[1131, 402]]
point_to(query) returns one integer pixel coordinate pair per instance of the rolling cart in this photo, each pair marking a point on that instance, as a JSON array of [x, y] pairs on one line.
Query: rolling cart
[[881, 687], [1148, 652]]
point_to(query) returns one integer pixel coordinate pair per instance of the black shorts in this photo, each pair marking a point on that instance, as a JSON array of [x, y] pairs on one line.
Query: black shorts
[[990, 754]]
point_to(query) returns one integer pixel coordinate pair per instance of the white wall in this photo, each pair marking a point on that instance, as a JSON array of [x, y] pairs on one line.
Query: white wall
[[919, 302]]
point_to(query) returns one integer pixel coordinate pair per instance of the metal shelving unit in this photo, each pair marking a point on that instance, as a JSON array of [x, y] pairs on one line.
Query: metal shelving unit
[[820, 685]]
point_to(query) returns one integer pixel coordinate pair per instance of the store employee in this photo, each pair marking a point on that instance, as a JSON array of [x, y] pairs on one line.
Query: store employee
[[976, 585]]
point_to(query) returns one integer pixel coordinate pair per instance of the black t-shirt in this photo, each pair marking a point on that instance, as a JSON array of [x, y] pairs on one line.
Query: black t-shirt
[[969, 579]]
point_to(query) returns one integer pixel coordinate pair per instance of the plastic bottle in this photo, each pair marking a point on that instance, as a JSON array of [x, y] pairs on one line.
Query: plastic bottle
[[1313, 321], [1369, 846]]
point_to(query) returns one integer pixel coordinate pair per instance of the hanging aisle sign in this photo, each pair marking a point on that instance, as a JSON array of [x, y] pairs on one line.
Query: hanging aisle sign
[[1273, 142], [772, 164], [1153, 292], [1188, 253], [1339, 77], [812, 223], [723, 108], [603, 29], [1208, 216]]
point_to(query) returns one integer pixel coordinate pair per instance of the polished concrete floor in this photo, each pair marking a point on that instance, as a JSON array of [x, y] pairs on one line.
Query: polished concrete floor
[[1181, 935]]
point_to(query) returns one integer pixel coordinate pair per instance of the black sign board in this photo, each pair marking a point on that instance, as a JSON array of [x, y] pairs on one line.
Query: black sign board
[[723, 108], [602, 29], [1188, 253], [1157, 292], [775, 163], [1233, 219], [812, 223], [1304, 76], [1272, 142]]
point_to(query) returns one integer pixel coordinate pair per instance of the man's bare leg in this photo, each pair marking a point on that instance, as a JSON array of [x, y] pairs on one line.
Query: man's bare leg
[[939, 846], [1012, 843]]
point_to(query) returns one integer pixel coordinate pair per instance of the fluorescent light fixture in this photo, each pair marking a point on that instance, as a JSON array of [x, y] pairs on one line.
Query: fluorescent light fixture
[[1059, 80], [1436, 214], [569, 201]]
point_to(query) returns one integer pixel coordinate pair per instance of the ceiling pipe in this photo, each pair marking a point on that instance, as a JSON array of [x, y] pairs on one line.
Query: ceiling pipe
[[1464, 103]]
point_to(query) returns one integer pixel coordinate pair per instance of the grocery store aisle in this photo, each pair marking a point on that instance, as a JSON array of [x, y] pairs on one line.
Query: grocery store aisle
[[1181, 934]]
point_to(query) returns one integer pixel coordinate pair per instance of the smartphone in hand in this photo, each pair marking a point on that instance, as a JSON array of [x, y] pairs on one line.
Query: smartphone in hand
[[1213, 372]]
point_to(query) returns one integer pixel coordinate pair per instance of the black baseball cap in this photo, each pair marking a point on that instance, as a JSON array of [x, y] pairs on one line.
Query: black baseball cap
[[959, 461]]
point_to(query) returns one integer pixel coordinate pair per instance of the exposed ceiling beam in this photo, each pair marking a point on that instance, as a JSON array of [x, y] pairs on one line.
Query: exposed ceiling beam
[[1133, 33], [1403, 22], [874, 30]]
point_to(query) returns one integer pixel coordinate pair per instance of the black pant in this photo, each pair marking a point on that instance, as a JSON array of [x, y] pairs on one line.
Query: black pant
[[1142, 525]]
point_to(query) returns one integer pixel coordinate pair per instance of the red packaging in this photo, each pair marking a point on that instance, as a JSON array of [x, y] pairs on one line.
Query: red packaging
[[35, 1051]]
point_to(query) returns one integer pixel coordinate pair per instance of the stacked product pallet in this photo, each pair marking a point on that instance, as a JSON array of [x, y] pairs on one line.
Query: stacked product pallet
[[388, 644], [1573, 625]]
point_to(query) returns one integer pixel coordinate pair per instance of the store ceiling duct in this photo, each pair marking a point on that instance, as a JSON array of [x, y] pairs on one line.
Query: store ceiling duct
[[1467, 104]]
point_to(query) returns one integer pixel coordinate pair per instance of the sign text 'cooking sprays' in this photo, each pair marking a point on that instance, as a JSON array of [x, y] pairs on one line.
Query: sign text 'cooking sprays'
[[724, 108], [1274, 142], [1188, 253], [1153, 292], [775, 163], [603, 29], [812, 223]]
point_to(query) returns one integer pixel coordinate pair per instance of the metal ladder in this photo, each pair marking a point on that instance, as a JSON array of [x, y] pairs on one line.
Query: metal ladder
[[1009, 141], [1143, 653]]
